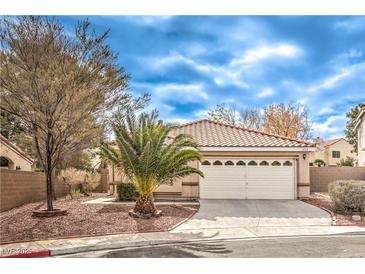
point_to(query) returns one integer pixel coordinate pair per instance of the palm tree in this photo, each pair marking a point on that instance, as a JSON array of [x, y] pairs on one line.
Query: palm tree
[[150, 157]]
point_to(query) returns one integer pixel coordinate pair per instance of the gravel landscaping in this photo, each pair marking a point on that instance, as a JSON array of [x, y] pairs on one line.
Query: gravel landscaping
[[18, 224], [324, 201]]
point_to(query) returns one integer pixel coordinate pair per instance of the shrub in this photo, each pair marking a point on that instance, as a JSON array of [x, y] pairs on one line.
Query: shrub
[[81, 180], [72, 178], [346, 162], [348, 195], [75, 193], [127, 192], [91, 181], [319, 162]]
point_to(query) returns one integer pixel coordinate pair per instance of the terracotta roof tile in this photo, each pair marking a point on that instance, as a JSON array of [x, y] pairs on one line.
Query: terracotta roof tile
[[209, 133], [16, 149], [331, 142]]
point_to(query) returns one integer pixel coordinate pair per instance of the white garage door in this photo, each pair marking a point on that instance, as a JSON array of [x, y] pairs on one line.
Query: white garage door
[[247, 179]]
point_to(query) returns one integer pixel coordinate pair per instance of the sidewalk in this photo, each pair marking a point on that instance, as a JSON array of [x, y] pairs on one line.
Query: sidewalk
[[178, 235]]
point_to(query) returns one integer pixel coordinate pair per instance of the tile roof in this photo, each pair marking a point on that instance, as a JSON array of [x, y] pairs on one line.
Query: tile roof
[[331, 142], [16, 149], [209, 133]]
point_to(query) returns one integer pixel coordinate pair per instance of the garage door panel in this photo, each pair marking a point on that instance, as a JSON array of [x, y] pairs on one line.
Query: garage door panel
[[222, 194], [248, 182]]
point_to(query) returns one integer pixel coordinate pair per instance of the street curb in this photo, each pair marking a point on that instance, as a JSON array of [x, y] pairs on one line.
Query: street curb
[[151, 243], [35, 254], [333, 216]]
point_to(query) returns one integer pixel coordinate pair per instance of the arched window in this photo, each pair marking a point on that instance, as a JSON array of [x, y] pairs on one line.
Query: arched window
[[264, 163], [252, 163], [206, 163], [4, 162], [229, 163], [287, 163], [241, 163], [276, 163], [217, 163]]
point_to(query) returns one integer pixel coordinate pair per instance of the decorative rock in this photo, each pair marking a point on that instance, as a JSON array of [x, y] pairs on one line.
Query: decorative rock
[[134, 214], [356, 218], [49, 213]]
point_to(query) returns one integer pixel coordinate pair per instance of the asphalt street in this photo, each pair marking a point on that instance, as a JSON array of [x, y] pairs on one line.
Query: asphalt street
[[294, 247]]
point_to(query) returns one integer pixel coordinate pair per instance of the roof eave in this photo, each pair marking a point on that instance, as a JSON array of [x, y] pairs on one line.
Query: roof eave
[[258, 149]]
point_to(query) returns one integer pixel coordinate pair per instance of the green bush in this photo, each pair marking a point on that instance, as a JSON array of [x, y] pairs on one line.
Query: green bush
[[127, 192], [348, 195], [319, 162]]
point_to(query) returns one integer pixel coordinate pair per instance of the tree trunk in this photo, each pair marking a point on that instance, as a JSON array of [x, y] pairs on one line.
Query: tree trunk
[[145, 207], [49, 190], [53, 184], [48, 171]]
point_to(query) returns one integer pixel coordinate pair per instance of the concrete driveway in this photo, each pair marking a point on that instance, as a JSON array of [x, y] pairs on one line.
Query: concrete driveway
[[256, 213]]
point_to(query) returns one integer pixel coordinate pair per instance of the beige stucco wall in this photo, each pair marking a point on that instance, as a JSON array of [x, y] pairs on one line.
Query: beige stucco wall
[[345, 150], [320, 177], [361, 142], [21, 187], [15, 159], [325, 153], [190, 184]]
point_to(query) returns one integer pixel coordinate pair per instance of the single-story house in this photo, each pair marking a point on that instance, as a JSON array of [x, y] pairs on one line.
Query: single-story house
[[12, 157], [240, 163], [360, 128], [332, 151]]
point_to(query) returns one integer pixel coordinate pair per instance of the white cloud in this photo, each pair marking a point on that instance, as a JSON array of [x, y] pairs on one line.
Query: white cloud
[[148, 20], [266, 93], [178, 120], [331, 81], [325, 110], [331, 127], [303, 100], [181, 92], [201, 113], [354, 53], [355, 23], [222, 76], [168, 107], [255, 55]]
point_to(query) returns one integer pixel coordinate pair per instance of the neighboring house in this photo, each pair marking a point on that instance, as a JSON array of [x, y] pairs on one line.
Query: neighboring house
[[242, 164], [12, 157], [360, 127], [332, 151]]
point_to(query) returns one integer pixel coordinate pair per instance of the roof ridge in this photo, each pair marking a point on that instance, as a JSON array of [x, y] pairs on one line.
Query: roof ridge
[[333, 141], [245, 129]]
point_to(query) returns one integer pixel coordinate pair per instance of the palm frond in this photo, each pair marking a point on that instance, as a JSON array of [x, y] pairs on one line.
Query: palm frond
[[148, 156]]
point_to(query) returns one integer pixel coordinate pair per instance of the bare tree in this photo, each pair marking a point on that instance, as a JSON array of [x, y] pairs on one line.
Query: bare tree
[[251, 118], [289, 120], [60, 86], [248, 118]]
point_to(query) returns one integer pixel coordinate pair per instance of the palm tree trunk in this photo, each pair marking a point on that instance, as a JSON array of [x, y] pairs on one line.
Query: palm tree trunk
[[145, 207]]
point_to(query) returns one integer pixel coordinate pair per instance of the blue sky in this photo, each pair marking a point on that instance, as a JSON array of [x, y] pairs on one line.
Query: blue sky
[[189, 64]]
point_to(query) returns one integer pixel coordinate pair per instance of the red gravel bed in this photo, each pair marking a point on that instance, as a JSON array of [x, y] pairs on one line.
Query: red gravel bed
[[18, 224], [325, 202]]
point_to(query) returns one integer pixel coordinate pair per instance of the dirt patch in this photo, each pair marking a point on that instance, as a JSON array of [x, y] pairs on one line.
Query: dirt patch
[[18, 224], [323, 200]]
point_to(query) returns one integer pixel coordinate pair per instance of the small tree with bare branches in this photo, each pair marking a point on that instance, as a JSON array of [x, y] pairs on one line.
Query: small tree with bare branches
[[289, 120], [60, 86], [250, 118]]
